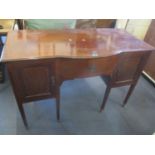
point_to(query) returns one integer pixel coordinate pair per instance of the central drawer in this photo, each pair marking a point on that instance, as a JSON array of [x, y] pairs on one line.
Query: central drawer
[[74, 68]]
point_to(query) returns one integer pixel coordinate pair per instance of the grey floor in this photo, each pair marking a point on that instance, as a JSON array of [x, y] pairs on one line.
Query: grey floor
[[80, 102]]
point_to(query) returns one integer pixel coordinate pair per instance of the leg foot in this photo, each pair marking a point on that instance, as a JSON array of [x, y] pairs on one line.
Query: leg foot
[[58, 108], [105, 98], [58, 102], [128, 94], [21, 110]]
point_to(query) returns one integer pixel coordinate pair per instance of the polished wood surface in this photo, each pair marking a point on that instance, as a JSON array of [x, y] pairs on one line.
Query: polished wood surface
[[7, 24], [39, 62], [89, 43], [150, 66]]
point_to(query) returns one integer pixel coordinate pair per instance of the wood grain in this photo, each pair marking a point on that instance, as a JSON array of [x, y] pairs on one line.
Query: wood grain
[[87, 43], [39, 62]]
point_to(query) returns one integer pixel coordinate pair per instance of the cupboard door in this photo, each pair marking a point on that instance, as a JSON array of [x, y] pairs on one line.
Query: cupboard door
[[35, 79]]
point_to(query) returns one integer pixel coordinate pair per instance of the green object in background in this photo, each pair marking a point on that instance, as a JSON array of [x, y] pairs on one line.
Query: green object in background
[[45, 24]]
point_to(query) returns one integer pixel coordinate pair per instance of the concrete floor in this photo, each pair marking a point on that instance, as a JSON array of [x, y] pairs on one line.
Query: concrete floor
[[80, 102]]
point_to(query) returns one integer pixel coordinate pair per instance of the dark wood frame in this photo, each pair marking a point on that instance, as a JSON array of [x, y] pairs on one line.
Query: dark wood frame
[[62, 70], [135, 71], [37, 75]]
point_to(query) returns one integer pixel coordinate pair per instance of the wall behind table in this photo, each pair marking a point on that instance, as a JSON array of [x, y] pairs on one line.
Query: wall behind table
[[137, 27]]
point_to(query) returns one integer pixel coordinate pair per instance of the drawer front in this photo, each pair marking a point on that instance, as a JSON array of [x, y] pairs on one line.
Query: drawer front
[[78, 68]]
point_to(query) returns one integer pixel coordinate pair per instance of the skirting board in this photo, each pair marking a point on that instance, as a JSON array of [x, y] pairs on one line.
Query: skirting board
[[148, 78]]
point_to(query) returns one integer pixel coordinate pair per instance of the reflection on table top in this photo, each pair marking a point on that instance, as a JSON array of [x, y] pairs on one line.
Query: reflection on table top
[[7, 25], [70, 43]]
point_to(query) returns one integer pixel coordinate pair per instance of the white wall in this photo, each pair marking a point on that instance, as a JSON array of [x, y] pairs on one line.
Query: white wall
[[137, 27]]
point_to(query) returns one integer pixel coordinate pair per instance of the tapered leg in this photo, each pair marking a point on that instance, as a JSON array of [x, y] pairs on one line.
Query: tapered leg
[[58, 108], [21, 109], [58, 104], [129, 94], [105, 97], [2, 70], [1, 43]]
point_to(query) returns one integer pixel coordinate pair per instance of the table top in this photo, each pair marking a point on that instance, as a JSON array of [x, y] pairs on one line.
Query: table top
[[7, 25], [69, 43]]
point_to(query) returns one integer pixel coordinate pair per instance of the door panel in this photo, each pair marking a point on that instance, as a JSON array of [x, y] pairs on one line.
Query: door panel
[[35, 79]]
